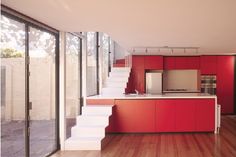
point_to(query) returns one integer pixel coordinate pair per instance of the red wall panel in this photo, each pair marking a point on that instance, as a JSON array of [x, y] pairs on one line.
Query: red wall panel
[[225, 83]]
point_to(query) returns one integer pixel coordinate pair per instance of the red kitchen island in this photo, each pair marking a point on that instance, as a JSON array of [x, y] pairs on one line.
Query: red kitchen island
[[181, 112]]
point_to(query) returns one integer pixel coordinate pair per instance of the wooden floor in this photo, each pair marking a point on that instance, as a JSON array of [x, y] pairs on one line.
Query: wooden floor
[[168, 144]]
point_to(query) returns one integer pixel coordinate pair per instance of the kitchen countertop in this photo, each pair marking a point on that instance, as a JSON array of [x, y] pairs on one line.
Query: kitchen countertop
[[155, 96]]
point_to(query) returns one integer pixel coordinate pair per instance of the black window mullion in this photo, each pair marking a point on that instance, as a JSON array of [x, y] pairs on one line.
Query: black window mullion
[[97, 60], [27, 123]]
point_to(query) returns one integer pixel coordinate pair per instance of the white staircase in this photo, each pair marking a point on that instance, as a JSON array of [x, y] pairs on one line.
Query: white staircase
[[117, 81], [89, 130]]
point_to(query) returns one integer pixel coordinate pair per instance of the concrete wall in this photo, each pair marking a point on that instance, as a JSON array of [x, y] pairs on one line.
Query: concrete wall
[[42, 89]]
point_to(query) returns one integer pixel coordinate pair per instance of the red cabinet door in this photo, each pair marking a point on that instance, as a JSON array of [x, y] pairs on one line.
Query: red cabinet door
[[153, 62], [169, 63], [205, 115], [185, 115], [165, 115], [135, 116], [208, 65], [225, 83], [181, 62], [192, 63], [138, 62]]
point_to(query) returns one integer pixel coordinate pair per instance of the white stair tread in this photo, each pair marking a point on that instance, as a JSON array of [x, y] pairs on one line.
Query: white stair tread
[[91, 125], [85, 139], [99, 105]]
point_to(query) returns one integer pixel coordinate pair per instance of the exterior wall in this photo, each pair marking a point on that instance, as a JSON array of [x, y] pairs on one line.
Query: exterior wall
[[42, 89]]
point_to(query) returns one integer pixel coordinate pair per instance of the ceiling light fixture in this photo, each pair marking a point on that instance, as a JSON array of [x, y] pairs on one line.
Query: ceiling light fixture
[[146, 49]]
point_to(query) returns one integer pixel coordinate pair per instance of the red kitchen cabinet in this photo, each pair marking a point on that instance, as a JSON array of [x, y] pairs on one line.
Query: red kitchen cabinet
[[225, 83], [169, 63], [135, 116], [174, 63], [205, 113], [165, 115], [185, 115], [193, 63], [153, 62], [208, 65], [180, 62]]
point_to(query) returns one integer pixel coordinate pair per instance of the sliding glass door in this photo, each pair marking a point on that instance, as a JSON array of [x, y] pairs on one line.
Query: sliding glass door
[[12, 88], [29, 79], [42, 92], [73, 81]]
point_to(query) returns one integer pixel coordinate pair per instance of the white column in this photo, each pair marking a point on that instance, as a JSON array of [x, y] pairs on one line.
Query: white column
[[62, 89]]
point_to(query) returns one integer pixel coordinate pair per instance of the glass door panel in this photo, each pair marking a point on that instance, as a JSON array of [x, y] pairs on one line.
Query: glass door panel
[[72, 81], [42, 92], [12, 88]]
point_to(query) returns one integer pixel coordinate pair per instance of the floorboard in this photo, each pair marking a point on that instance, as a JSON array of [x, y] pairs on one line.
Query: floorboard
[[167, 144]]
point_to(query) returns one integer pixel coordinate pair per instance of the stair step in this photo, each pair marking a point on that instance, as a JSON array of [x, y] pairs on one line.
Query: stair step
[[93, 119], [117, 79], [83, 143], [115, 69], [113, 90], [99, 110], [123, 74], [119, 65], [88, 131], [115, 85]]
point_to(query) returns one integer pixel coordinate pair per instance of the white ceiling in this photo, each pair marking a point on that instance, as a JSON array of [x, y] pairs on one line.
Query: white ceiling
[[208, 24]]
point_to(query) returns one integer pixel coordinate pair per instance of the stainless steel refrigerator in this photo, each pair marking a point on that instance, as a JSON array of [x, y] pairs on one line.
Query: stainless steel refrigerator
[[153, 82]]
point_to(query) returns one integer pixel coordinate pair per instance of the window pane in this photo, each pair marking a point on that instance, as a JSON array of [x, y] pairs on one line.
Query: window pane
[[91, 64], [72, 81], [42, 92], [12, 88], [105, 53]]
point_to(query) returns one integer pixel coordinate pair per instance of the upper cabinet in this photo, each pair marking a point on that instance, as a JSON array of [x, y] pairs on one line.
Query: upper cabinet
[[174, 63], [208, 65], [153, 62]]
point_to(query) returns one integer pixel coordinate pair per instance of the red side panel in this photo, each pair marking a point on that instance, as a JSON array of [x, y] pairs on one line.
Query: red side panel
[[208, 64], [185, 115], [138, 73], [205, 113], [135, 116], [138, 62], [165, 115], [225, 83]]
